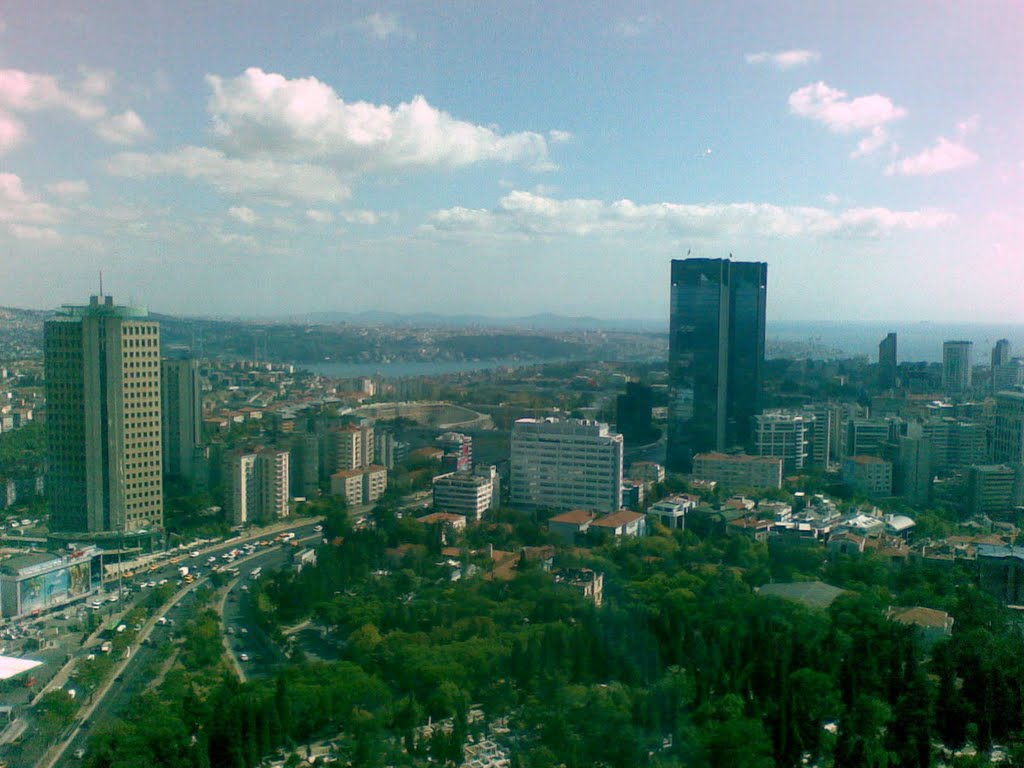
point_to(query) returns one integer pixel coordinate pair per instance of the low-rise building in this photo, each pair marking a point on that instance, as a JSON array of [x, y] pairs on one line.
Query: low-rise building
[[36, 582], [671, 511], [623, 524], [470, 493], [589, 583], [739, 471], [568, 525]]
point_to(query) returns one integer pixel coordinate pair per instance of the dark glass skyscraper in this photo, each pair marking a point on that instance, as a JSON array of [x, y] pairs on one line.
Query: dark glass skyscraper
[[887, 362], [716, 355]]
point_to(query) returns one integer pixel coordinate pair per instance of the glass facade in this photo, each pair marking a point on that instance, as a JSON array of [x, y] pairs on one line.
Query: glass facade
[[716, 355]]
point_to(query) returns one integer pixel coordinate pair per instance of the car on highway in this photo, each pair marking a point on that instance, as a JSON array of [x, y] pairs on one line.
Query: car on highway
[[243, 657]]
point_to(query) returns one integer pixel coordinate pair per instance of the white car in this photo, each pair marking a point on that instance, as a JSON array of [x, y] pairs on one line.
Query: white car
[[194, 553], [243, 657]]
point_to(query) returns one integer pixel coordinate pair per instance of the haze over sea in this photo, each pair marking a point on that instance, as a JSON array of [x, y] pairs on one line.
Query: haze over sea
[[916, 341]]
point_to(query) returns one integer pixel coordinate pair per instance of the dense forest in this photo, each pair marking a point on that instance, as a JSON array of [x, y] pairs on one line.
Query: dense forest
[[683, 664]]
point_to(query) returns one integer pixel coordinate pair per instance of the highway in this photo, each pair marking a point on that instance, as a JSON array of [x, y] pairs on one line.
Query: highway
[[134, 673]]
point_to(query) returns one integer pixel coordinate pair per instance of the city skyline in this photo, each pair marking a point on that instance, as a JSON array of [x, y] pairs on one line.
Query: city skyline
[[366, 158]]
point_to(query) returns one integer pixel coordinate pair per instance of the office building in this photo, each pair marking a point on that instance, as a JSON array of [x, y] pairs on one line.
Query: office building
[[1009, 375], [716, 355], [456, 452], [866, 437], [994, 488], [739, 470], [868, 475], [103, 424], [786, 435], [467, 492], [563, 465], [633, 415], [956, 366], [912, 472], [887, 362], [1008, 428], [182, 412], [1001, 353]]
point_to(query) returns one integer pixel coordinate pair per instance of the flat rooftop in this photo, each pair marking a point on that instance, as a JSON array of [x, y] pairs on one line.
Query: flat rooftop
[[12, 666]]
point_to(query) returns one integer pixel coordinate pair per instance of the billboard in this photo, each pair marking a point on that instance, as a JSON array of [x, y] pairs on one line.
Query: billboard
[[55, 587]]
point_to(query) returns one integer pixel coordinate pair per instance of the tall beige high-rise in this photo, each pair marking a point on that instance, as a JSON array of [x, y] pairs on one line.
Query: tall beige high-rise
[[103, 419]]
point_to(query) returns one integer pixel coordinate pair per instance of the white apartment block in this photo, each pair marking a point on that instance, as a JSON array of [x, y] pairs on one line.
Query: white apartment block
[[786, 435], [258, 485], [566, 464], [360, 486]]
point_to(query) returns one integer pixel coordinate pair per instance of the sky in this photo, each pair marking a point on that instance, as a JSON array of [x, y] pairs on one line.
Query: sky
[[509, 158]]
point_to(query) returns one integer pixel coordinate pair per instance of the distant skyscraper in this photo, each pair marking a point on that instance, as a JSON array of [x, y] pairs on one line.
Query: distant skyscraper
[[956, 366], [182, 412], [716, 355], [1001, 353], [887, 362], [103, 420]]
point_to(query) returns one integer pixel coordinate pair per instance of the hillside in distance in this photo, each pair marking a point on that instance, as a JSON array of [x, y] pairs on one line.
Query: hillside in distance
[[373, 338]]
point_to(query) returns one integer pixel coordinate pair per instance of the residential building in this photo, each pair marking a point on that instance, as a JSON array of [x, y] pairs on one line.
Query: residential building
[[257, 485], [103, 422], [647, 471], [887, 362], [739, 470], [305, 464], [623, 524], [348, 447], [785, 435], [716, 355], [565, 464], [568, 525], [589, 583], [360, 486], [469, 492], [956, 366], [869, 475], [388, 450], [182, 413]]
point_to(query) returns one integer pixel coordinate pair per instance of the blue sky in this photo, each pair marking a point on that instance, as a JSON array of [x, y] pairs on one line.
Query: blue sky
[[509, 158]]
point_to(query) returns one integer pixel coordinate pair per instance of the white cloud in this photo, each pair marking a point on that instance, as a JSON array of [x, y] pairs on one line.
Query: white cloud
[[261, 113], [320, 217], [871, 143], [29, 92], [559, 137], [636, 26], [232, 238], [841, 114], [25, 216], [944, 156], [361, 217], [381, 26], [126, 128], [267, 178], [12, 132], [243, 214], [796, 57], [96, 82], [69, 189], [524, 213]]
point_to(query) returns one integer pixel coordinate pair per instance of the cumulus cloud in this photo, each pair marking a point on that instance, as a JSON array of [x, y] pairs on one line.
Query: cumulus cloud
[[30, 92], [24, 215], [12, 132], [68, 189], [264, 177], [841, 114], [243, 214], [796, 57], [525, 213], [361, 217], [945, 155], [126, 128], [267, 114], [232, 238], [381, 26]]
